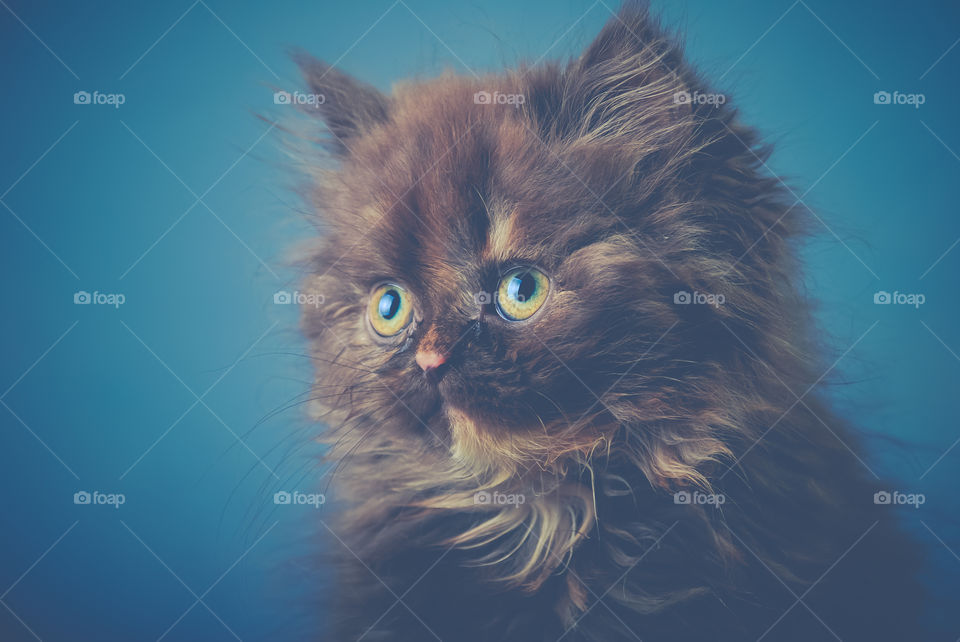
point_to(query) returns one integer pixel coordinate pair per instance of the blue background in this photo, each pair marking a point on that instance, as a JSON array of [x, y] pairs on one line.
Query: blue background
[[105, 199]]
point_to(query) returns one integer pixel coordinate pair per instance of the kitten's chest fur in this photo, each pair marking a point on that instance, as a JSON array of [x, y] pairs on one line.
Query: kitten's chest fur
[[646, 568]]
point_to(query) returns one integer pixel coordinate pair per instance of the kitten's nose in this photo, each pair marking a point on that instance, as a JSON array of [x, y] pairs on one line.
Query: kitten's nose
[[431, 362]]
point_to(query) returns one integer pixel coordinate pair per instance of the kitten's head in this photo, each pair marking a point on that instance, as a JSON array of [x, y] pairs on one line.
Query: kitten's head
[[524, 269]]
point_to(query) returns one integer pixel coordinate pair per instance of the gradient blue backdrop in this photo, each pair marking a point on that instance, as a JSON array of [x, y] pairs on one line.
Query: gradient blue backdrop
[[179, 200]]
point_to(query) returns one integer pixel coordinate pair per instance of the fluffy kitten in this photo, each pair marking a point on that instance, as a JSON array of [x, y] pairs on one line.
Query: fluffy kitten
[[515, 387]]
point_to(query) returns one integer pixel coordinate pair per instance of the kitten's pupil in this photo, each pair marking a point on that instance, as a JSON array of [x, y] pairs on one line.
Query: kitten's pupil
[[389, 304], [522, 287]]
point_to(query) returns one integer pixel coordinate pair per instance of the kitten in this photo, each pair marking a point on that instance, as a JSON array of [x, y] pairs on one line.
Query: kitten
[[559, 362]]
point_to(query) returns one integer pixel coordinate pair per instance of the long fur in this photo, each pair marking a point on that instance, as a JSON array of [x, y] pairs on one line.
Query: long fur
[[607, 402]]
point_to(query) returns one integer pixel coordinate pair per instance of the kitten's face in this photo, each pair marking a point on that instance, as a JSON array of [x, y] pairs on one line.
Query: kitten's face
[[493, 275], [509, 299]]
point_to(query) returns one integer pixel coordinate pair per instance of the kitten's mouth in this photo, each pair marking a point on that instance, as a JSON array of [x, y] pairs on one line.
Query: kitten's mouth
[[487, 427], [460, 415], [473, 406], [463, 411]]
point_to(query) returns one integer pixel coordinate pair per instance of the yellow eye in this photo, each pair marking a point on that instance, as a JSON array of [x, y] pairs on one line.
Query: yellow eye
[[389, 309], [521, 293]]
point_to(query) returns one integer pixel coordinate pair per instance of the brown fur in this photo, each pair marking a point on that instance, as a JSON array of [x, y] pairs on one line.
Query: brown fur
[[610, 398]]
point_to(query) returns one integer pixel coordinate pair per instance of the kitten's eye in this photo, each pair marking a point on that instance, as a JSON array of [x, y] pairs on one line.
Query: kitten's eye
[[389, 310], [521, 293]]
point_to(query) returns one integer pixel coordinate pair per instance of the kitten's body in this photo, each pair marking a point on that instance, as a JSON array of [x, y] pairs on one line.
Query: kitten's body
[[605, 403]]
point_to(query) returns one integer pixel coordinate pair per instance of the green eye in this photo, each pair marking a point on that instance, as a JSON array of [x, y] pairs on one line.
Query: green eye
[[389, 309], [521, 293]]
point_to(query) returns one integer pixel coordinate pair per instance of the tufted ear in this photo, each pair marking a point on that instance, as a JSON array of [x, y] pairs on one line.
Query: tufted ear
[[348, 106], [630, 105], [631, 39], [628, 86]]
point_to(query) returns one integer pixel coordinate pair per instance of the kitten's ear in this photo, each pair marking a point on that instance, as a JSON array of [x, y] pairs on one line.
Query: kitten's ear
[[630, 33], [348, 107], [626, 82]]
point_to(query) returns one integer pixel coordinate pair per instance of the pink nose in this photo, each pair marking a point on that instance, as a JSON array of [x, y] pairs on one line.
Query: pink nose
[[429, 360]]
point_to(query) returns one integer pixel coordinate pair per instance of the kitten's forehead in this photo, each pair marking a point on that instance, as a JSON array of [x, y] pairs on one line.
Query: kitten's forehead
[[439, 201], [459, 195], [450, 191]]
